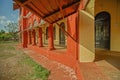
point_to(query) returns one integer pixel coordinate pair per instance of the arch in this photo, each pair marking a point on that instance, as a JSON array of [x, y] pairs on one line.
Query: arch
[[35, 23], [30, 25], [62, 35], [102, 30], [46, 33], [54, 32]]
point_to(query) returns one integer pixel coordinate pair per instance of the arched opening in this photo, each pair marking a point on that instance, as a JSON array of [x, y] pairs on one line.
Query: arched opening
[[102, 30], [46, 36], [47, 33], [62, 35], [36, 30], [54, 32]]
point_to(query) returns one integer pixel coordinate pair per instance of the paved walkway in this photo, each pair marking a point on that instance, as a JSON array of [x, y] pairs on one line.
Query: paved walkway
[[105, 67], [91, 71], [109, 63], [58, 70]]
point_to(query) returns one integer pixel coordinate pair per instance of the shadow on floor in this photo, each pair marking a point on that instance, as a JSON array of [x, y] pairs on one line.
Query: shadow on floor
[[110, 56]]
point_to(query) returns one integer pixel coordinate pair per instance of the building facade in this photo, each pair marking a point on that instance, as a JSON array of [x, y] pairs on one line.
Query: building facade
[[73, 39]]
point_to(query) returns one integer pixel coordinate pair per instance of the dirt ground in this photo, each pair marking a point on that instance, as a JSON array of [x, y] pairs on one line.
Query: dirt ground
[[13, 67], [13, 63]]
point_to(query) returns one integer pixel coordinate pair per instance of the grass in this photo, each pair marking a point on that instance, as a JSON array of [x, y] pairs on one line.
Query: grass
[[39, 71], [16, 65]]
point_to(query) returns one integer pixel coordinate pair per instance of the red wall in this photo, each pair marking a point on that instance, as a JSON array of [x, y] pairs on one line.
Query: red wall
[[72, 46]]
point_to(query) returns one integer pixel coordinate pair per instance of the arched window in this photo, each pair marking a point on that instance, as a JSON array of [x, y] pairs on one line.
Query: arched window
[[30, 25], [102, 30], [35, 23], [54, 32], [47, 33], [62, 35]]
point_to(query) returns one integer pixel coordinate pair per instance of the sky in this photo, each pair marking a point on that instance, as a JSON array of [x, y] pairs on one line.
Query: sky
[[7, 14]]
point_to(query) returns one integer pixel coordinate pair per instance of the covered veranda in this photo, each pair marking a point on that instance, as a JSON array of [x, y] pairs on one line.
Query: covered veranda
[[52, 11]]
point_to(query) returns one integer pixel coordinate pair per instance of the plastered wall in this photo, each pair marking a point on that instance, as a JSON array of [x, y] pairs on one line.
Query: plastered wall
[[113, 8], [86, 37]]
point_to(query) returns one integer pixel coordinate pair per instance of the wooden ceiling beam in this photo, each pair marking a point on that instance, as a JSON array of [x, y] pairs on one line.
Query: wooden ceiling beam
[[22, 4], [60, 10], [15, 6], [64, 17], [18, 2], [35, 8], [63, 8], [27, 7], [30, 9], [26, 2]]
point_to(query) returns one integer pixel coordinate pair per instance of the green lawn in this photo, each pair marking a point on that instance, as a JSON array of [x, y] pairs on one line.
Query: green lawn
[[16, 65]]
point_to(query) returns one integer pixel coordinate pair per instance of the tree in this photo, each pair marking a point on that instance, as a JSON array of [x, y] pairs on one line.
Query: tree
[[12, 28], [2, 32], [5, 37]]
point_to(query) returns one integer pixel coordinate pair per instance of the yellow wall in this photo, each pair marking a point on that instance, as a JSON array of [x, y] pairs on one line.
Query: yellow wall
[[56, 42], [90, 7], [44, 34], [113, 8], [86, 37]]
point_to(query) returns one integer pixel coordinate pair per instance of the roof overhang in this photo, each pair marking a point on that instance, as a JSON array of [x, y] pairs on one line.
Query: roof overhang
[[50, 10], [15, 6]]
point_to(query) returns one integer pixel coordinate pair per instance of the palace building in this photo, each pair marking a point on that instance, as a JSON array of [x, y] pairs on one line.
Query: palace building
[[69, 31]]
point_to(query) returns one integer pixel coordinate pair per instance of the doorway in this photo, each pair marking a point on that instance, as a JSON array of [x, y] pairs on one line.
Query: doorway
[[102, 30]]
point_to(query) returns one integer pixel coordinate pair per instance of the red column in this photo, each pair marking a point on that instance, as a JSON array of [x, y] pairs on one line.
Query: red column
[[50, 37], [24, 34], [40, 43], [29, 37], [23, 27], [33, 37], [24, 39]]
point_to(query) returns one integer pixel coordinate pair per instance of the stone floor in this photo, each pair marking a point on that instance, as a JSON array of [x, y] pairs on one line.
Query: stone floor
[[90, 71], [58, 70], [109, 63], [105, 67]]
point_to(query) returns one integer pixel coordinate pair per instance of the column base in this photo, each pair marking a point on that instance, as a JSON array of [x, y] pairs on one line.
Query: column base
[[40, 46], [51, 48]]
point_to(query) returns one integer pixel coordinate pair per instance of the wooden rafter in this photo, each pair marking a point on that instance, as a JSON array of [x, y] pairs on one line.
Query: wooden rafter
[[35, 8], [64, 17], [48, 12], [26, 2], [27, 7], [22, 4], [63, 8], [15, 6]]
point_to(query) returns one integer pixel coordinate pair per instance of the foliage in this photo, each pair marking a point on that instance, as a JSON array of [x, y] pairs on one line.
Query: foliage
[[2, 32], [12, 28], [11, 33], [5, 37]]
